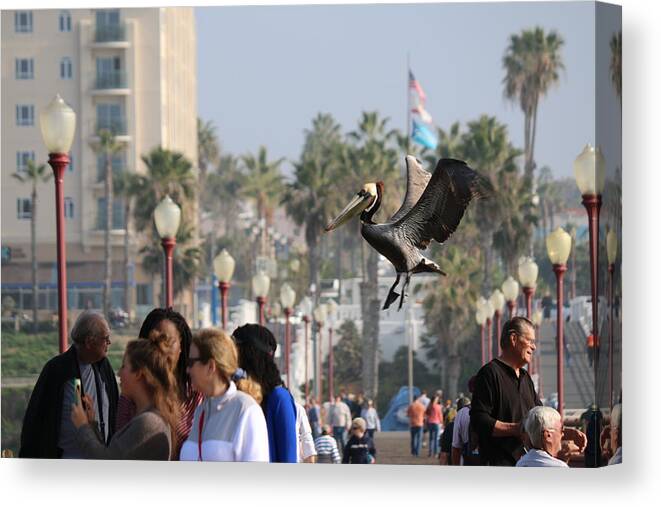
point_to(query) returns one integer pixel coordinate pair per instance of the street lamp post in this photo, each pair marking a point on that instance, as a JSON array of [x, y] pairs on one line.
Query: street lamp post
[[489, 311], [331, 311], [497, 301], [223, 266], [58, 125], [480, 319], [167, 216], [528, 271], [590, 172], [306, 310], [558, 246], [260, 287], [511, 292], [319, 314], [537, 321], [287, 299], [482, 310], [611, 252]]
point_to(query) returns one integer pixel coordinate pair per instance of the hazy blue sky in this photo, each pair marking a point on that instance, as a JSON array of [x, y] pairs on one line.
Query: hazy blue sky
[[265, 72]]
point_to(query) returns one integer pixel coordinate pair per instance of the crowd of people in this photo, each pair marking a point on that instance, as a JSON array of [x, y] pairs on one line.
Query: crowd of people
[[211, 396]]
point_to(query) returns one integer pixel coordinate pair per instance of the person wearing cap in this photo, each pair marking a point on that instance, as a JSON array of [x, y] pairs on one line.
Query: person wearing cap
[[360, 448], [256, 346], [462, 454], [544, 428], [229, 424]]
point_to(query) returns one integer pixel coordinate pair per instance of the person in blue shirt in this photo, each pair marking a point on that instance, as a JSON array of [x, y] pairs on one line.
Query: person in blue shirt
[[256, 345]]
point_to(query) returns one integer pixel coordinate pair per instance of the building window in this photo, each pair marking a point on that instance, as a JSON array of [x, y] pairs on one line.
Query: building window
[[23, 208], [110, 117], [24, 68], [65, 21], [22, 158], [68, 207], [144, 294], [23, 21], [25, 115], [66, 68], [117, 214]]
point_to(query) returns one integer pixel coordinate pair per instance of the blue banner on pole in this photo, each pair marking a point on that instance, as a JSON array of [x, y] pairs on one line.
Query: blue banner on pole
[[423, 136]]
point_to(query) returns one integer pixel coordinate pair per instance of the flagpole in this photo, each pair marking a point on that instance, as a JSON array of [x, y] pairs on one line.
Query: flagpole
[[408, 102]]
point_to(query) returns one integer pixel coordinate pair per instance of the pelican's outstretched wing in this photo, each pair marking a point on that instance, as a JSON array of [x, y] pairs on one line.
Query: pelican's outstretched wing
[[439, 210], [416, 182]]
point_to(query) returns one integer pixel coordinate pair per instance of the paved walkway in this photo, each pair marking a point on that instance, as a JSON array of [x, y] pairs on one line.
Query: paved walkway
[[394, 448]]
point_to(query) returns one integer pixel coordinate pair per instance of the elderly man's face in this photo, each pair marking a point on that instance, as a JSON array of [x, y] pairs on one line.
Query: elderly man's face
[[553, 438], [98, 345], [524, 345]]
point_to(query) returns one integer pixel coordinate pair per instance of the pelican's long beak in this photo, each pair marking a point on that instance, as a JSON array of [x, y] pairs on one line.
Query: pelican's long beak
[[357, 205]]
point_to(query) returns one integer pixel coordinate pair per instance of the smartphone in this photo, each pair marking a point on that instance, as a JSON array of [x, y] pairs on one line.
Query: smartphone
[[77, 391]]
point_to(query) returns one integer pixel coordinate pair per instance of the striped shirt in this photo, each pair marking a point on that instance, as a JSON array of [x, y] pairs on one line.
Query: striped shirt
[[326, 449], [126, 411]]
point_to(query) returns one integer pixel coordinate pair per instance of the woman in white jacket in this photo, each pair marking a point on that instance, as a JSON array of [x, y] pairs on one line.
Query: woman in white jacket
[[229, 425]]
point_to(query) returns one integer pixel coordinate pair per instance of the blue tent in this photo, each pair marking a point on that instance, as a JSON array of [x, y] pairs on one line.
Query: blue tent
[[396, 418]]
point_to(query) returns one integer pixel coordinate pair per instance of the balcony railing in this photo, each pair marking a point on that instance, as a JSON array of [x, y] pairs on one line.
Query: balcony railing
[[111, 79], [116, 126], [110, 33]]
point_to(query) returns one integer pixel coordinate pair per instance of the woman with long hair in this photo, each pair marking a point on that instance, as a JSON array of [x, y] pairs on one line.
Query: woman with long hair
[[256, 345], [146, 379], [434, 416], [229, 425], [174, 326]]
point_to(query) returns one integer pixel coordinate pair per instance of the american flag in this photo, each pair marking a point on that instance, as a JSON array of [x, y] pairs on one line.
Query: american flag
[[414, 85]]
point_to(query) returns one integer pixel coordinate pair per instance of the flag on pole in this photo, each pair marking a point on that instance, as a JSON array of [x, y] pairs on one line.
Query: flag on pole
[[415, 86], [423, 136], [423, 113]]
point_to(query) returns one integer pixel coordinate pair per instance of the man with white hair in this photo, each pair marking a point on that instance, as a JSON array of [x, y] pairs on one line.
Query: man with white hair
[[616, 434], [544, 428], [48, 431]]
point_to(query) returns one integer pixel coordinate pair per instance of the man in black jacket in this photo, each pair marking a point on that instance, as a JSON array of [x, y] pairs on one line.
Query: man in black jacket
[[47, 428]]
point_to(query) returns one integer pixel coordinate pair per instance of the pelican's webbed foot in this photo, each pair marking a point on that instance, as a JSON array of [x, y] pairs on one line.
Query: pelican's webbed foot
[[404, 291], [392, 295]]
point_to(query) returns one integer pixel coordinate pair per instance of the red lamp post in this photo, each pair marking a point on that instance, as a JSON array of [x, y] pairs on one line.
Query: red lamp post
[[510, 291], [58, 125], [487, 308], [611, 252], [287, 299], [167, 216], [306, 324], [331, 311], [480, 319], [260, 287], [558, 246], [537, 321], [223, 266], [590, 172], [319, 314], [497, 301], [528, 271]]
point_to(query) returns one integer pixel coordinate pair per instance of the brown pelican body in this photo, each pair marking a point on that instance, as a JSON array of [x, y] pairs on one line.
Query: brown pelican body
[[432, 209]]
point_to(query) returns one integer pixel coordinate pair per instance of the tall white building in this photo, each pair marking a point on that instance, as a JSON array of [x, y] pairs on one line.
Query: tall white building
[[130, 70]]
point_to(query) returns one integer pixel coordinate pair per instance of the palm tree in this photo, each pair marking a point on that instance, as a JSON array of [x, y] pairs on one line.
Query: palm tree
[[264, 183], [373, 156], [168, 173], [449, 309], [107, 146], [208, 149], [532, 64], [310, 199], [34, 174], [616, 64], [487, 148], [127, 186]]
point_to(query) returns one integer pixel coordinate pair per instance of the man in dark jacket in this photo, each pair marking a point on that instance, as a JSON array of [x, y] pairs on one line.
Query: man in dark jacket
[[47, 428]]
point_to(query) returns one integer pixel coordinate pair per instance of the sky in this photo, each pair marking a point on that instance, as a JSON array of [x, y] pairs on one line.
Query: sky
[[264, 72]]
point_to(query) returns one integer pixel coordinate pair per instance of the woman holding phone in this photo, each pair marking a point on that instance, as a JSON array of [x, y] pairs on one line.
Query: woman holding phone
[[146, 379], [171, 323]]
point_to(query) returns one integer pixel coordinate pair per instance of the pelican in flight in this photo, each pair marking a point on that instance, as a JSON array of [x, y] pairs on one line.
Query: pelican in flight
[[432, 209]]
